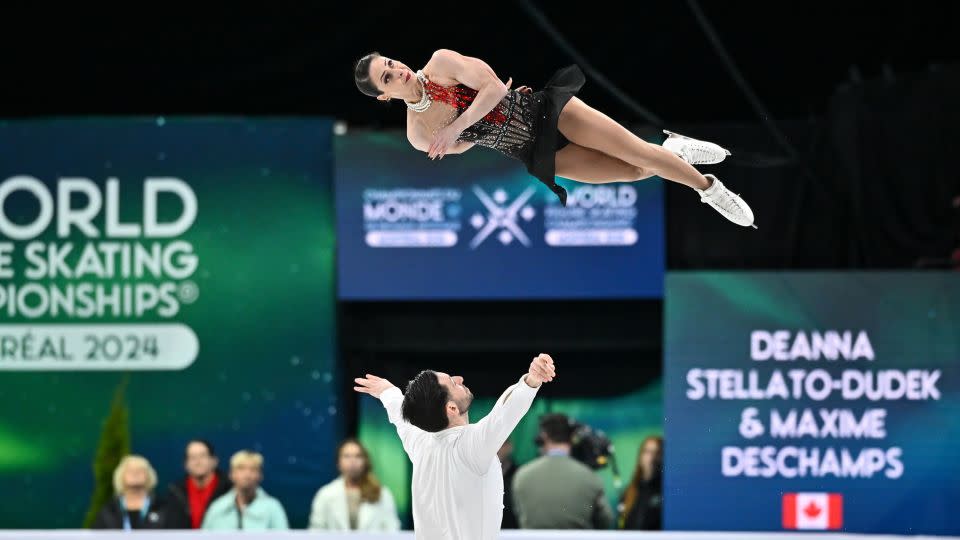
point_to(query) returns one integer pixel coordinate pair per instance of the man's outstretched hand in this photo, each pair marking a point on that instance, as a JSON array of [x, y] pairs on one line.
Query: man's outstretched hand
[[541, 370], [372, 385]]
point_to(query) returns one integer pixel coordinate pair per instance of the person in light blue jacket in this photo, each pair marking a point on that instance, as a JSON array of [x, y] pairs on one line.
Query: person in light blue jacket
[[247, 506]]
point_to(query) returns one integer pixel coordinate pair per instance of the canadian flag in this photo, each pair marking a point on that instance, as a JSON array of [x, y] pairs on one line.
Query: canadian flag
[[812, 511]]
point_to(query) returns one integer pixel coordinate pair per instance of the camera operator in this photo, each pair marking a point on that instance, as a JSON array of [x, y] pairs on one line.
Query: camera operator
[[555, 491]]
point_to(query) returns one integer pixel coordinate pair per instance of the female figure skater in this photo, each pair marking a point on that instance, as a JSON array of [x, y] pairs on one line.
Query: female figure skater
[[456, 102]]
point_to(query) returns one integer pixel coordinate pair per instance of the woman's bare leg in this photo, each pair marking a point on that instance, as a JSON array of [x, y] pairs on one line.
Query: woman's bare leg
[[591, 166], [588, 127]]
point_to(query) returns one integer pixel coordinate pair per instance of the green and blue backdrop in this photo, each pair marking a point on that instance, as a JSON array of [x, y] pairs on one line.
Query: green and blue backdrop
[[196, 255]]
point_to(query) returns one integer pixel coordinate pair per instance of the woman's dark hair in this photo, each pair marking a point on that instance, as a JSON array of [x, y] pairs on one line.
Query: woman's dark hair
[[425, 402], [369, 485], [361, 75], [204, 442]]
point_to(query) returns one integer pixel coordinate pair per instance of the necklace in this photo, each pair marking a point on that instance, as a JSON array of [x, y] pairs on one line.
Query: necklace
[[425, 100]]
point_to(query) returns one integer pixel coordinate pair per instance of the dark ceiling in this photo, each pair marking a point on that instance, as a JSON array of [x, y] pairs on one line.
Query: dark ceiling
[[169, 59]]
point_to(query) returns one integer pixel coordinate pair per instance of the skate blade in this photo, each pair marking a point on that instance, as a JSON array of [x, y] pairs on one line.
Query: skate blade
[[671, 134], [674, 134]]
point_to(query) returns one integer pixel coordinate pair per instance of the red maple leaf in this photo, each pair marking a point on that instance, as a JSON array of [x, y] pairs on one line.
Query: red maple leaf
[[812, 510]]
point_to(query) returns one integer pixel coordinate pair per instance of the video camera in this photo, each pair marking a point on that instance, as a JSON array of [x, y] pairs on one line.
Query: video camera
[[591, 447]]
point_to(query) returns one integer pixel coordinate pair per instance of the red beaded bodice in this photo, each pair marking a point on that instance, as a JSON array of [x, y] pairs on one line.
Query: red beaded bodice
[[508, 127], [460, 97]]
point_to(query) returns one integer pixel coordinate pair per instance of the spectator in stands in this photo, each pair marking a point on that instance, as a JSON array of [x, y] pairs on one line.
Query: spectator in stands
[[203, 483], [555, 491], [134, 506], [505, 454], [355, 501], [247, 506], [642, 504]]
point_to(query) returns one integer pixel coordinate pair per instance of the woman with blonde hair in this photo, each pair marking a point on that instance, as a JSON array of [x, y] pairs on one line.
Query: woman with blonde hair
[[247, 506], [134, 506], [355, 501]]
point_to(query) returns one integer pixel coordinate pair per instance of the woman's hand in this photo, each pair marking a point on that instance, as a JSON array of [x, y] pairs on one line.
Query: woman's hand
[[443, 141], [525, 90]]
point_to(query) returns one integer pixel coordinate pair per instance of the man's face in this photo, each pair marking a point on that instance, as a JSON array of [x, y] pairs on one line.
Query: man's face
[[246, 475], [459, 394], [199, 462]]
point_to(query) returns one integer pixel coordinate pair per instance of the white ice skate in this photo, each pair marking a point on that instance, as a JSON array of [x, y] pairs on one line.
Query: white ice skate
[[730, 205], [693, 151]]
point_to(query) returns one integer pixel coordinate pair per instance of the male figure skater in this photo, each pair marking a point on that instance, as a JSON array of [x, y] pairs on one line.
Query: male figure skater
[[457, 482]]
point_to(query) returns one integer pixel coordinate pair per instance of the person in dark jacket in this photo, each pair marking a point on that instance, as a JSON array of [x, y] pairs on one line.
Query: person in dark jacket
[[190, 497], [642, 505], [134, 506], [505, 454]]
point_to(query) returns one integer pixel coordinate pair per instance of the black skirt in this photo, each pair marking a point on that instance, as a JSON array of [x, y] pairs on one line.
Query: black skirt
[[563, 85]]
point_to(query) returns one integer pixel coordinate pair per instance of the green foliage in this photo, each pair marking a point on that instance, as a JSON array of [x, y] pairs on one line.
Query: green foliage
[[114, 445]]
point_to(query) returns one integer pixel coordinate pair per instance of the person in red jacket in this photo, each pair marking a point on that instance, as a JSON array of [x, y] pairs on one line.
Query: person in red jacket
[[203, 483]]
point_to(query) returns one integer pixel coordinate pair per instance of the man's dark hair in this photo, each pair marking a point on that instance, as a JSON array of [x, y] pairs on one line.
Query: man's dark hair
[[425, 402], [556, 428], [204, 442], [361, 75]]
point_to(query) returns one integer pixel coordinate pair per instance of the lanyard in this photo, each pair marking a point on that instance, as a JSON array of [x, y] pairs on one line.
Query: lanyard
[[126, 517]]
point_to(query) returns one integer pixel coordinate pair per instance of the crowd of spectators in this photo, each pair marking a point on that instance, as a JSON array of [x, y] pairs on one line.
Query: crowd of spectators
[[553, 491]]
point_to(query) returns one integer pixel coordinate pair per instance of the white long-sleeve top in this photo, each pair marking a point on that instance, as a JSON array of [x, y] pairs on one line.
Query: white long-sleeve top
[[457, 480]]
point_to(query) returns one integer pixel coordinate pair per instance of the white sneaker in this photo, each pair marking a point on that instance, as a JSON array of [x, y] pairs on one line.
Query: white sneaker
[[693, 151], [730, 205]]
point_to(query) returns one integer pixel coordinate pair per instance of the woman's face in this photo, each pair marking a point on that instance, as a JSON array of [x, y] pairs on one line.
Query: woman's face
[[392, 77], [134, 477], [650, 455], [351, 462]]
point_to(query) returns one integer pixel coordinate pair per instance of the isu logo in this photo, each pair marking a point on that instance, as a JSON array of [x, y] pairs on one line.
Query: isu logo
[[812, 511], [502, 217]]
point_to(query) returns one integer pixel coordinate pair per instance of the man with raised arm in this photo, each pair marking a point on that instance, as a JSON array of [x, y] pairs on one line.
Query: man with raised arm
[[457, 482]]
